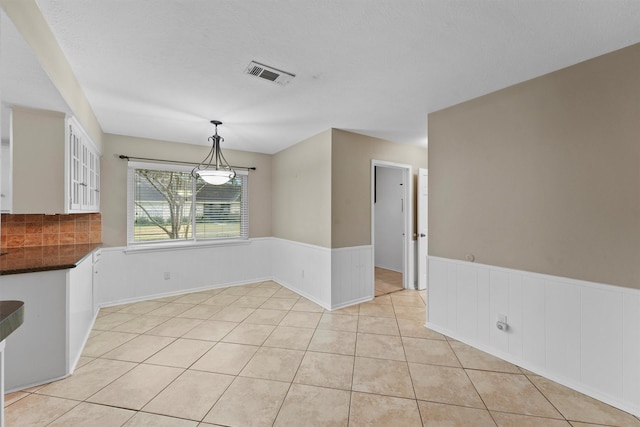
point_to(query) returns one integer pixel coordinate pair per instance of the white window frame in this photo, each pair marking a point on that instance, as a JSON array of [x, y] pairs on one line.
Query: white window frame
[[184, 243]]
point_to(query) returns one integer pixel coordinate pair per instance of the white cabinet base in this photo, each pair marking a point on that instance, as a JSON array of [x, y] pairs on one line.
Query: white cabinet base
[[58, 316]]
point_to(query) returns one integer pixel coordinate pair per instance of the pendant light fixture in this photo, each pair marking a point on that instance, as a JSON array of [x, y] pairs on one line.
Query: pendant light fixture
[[214, 169]]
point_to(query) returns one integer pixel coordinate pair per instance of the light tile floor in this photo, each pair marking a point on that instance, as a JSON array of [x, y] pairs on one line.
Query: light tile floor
[[387, 281], [260, 355]]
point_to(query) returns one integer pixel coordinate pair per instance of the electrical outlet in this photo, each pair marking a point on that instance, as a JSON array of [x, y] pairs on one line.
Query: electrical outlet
[[501, 322]]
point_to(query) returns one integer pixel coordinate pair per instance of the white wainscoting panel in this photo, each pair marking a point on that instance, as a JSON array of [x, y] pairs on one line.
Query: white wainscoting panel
[[498, 304], [138, 275], [351, 276], [581, 334], [437, 295], [533, 326], [303, 268], [330, 278], [601, 327], [631, 347], [467, 297]]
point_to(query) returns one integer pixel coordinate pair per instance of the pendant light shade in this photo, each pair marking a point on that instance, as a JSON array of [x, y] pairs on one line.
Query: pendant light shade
[[214, 169], [216, 177]]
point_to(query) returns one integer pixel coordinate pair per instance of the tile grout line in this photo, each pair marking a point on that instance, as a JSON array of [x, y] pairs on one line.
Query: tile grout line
[[296, 373], [275, 418], [353, 368], [404, 351], [471, 382], [546, 398]]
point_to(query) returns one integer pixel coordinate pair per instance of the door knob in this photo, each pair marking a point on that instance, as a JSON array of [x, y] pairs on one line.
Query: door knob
[[423, 235]]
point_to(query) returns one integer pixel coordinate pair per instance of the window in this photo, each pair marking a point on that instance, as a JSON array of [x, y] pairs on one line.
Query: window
[[167, 204]]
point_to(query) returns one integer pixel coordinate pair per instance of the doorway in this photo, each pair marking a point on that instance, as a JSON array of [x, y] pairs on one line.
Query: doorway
[[391, 222]]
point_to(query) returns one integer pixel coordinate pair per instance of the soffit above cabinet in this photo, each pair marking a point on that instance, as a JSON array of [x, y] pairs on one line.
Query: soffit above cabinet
[[23, 81]]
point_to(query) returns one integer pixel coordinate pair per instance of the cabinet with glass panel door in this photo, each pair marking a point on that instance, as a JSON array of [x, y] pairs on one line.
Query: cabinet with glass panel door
[[84, 170]]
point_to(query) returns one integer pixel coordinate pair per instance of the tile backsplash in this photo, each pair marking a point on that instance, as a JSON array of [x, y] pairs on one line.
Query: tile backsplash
[[19, 231]]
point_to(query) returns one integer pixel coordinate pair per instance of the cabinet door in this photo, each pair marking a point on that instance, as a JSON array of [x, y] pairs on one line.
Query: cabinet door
[[84, 173], [93, 195], [75, 165], [5, 185]]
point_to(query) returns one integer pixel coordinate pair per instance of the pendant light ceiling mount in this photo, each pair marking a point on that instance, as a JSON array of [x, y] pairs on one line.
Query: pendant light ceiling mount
[[214, 169]]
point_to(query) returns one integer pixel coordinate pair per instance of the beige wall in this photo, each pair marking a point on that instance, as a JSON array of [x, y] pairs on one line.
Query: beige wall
[[351, 182], [302, 191], [38, 161], [28, 19], [544, 176], [114, 181]]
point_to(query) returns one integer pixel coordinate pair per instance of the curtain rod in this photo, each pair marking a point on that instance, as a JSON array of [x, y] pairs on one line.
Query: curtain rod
[[177, 162]]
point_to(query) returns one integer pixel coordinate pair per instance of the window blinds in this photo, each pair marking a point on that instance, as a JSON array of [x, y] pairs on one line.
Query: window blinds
[[168, 204]]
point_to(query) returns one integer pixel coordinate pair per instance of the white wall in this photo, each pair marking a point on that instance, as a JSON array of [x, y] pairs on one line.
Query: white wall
[[331, 278], [389, 218], [581, 334]]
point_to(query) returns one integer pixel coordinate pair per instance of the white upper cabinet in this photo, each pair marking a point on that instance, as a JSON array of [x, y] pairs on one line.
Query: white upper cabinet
[[83, 170], [56, 166], [5, 160], [5, 183]]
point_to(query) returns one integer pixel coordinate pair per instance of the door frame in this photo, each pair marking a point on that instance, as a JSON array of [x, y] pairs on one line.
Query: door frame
[[408, 279], [422, 229]]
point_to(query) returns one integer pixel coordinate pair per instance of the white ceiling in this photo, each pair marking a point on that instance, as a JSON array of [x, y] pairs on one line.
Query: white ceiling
[[23, 81], [163, 69]]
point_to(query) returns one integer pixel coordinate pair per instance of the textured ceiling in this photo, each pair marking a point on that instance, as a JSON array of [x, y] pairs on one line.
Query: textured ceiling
[[163, 69]]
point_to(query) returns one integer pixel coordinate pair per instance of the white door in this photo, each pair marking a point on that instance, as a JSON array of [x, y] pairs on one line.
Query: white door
[[423, 223]]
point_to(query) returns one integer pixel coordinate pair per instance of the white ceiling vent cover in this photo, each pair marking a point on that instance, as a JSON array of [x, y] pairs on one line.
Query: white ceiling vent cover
[[269, 73]]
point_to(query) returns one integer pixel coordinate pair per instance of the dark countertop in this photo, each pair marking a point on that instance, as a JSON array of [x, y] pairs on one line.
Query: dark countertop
[[43, 258], [11, 317]]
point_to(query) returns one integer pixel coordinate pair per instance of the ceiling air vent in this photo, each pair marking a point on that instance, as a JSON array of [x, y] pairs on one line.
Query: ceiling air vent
[[269, 73]]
